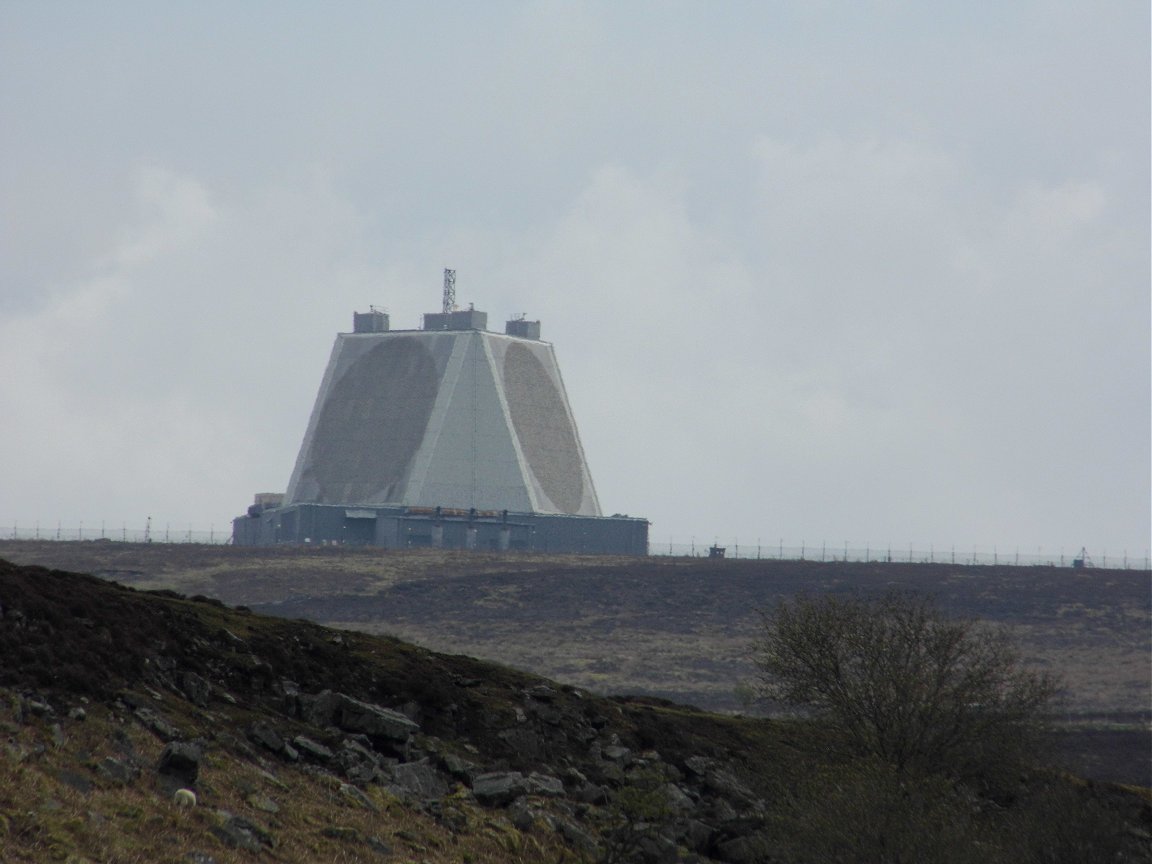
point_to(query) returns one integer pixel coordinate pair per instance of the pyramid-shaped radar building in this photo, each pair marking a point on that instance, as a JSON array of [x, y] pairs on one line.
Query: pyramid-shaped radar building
[[450, 416], [451, 436]]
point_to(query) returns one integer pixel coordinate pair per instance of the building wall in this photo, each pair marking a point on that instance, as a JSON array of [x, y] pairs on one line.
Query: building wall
[[415, 527]]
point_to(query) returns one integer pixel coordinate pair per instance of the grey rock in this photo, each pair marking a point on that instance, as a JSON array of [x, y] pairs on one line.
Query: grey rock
[[655, 848], [263, 803], [312, 749], [499, 788], [522, 816], [723, 783], [616, 753], [588, 793], [263, 734], [699, 765], [584, 841], [357, 797], [352, 715], [420, 779], [196, 689], [553, 715], [524, 741], [459, 768], [37, 707], [722, 811], [748, 849], [677, 798], [612, 773], [181, 760], [545, 785], [357, 762], [78, 714], [243, 834], [231, 639], [573, 775], [695, 835], [378, 846], [76, 781], [164, 730], [117, 771], [450, 816]]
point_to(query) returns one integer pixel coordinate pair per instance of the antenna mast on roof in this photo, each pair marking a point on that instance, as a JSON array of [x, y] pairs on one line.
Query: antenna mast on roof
[[449, 290]]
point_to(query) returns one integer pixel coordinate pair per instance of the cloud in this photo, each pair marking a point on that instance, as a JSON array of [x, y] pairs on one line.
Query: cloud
[[874, 277], [142, 386]]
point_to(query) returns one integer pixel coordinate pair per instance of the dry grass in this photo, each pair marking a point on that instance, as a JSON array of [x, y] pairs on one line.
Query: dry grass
[[44, 817]]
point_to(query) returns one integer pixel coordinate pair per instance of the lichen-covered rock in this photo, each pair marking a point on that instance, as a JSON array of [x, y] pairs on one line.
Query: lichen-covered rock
[[616, 753], [164, 730], [312, 749], [330, 708], [241, 833], [195, 688], [357, 797], [420, 780], [545, 785], [459, 768], [357, 762], [678, 800], [499, 788], [263, 734]]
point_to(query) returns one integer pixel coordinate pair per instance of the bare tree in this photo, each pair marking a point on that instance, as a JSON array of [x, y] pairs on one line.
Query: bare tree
[[896, 679]]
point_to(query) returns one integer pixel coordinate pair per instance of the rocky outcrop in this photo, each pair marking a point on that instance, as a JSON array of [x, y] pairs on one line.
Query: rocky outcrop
[[352, 715], [465, 746]]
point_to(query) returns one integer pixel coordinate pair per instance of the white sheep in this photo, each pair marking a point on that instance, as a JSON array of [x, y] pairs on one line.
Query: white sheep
[[184, 798]]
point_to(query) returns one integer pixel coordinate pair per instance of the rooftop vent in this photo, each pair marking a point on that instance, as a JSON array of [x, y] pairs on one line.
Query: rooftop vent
[[372, 321], [461, 319], [518, 326]]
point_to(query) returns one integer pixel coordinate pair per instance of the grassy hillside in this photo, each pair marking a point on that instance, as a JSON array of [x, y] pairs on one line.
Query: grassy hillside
[[307, 744], [669, 627]]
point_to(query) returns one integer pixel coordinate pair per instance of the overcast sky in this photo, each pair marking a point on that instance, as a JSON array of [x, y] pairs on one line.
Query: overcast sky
[[869, 272]]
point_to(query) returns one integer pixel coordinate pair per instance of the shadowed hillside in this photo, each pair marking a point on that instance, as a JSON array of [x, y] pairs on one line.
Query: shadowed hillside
[[301, 743], [674, 628]]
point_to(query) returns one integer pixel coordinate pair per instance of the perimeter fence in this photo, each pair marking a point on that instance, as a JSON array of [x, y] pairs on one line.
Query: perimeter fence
[[168, 532], [885, 553], [152, 532]]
